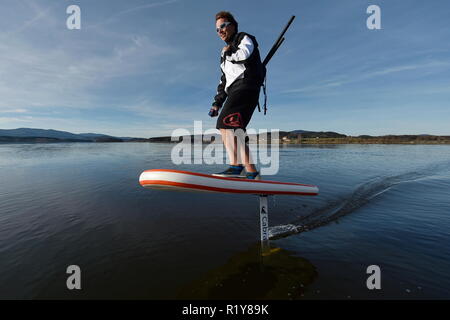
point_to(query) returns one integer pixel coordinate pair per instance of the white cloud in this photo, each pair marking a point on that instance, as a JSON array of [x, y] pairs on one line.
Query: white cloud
[[134, 9], [9, 120], [40, 14], [33, 77], [13, 111], [349, 78]]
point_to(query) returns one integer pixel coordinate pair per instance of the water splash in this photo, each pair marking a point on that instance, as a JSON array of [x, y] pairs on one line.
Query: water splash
[[345, 205]]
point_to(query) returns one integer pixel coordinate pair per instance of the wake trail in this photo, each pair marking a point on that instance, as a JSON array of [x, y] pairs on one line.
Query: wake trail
[[347, 204]]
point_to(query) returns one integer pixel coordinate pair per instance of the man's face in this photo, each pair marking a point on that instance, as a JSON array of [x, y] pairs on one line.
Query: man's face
[[226, 32]]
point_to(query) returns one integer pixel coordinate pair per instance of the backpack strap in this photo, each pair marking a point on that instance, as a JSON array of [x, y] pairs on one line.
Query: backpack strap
[[265, 95]]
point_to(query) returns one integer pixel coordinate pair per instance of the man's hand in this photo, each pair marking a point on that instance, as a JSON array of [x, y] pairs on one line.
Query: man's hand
[[213, 112], [226, 48]]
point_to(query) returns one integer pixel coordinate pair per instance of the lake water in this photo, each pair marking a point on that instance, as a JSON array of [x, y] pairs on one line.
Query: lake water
[[81, 204]]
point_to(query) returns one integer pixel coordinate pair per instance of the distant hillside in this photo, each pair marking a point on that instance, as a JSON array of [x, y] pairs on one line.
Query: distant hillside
[[284, 135], [30, 135], [50, 135], [4, 139], [310, 134], [43, 133], [300, 131], [330, 137], [95, 137]]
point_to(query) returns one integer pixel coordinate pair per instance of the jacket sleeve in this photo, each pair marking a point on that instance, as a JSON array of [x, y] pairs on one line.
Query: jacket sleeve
[[221, 95], [244, 51]]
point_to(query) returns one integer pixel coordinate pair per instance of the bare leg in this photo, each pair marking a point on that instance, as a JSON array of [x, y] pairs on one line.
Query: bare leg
[[244, 151], [249, 165], [230, 145]]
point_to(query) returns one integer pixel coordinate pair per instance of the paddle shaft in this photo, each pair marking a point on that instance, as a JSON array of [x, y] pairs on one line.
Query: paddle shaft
[[277, 43]]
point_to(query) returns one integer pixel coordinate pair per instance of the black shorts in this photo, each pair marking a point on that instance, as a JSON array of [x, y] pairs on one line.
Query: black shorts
[[238, 108]]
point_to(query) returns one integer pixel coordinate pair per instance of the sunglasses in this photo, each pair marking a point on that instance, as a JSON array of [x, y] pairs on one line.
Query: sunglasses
[[222, 26]]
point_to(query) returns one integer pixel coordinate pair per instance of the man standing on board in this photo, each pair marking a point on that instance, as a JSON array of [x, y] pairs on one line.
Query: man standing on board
[[237, 93]]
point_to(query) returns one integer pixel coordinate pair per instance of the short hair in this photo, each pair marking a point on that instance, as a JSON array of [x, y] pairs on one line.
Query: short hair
[[228, 16]]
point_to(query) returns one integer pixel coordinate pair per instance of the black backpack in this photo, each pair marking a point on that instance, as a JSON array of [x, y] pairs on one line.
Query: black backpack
[[269, 56]]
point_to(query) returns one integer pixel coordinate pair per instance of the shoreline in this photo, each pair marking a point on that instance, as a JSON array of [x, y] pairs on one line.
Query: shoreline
[[284, 139], [311, 142], [367, 141]]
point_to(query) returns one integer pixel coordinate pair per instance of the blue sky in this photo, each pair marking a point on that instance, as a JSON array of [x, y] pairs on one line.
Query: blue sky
[[144, 68]]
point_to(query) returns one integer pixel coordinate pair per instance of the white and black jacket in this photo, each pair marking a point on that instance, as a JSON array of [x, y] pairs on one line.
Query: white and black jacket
[[241, 67]]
